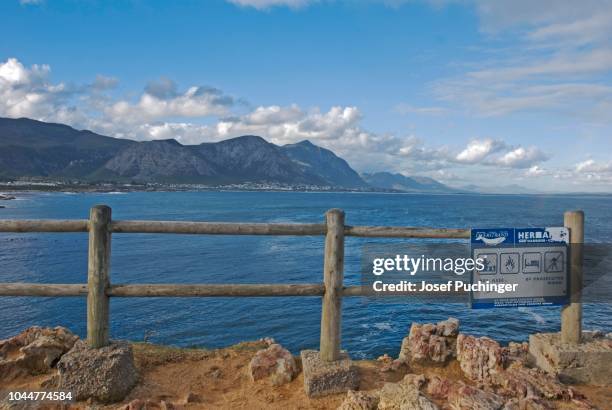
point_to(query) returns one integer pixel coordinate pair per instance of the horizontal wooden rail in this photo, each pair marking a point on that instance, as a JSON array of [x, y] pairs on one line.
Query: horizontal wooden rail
[[354, 291], [37, 289], [216, 228], [215, 290], [169, 290], [231, 228], [42, 225], [405, 232]]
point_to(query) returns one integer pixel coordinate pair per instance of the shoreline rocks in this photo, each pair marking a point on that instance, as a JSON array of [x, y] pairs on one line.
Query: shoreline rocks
[[395, 396], [431, 343], [516, 353], [322, 378], [405, 394], [462, 396], [34, 351], [390, 365], [358, 400], [586, 363], [106, 375], [485, 375], [275, 363], [480, 358]]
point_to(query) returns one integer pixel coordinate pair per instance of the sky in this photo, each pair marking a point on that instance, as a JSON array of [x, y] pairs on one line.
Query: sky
[[483, 92]]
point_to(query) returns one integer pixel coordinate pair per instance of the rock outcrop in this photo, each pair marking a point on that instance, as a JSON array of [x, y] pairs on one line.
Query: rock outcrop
[[499, 377], [516, 353], [527, 404], [465, 397], [480, 359], [275, 363], [460, 396], [390, 365], [357, 400], [523, 382], [34, 351], [404, 395], [433, 343], [105, 375], [586, 363]]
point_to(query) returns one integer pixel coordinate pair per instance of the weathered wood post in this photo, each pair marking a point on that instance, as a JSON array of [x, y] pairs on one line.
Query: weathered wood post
[[98, 279], [571, 315], [333, 277]]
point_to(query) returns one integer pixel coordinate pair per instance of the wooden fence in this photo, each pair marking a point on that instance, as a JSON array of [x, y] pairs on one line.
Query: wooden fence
[[99, 289]]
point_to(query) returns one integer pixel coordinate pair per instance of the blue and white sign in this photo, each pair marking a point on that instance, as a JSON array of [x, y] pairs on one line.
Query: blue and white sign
[[513, 236], [533, 259], [557, 235], [493, 237]]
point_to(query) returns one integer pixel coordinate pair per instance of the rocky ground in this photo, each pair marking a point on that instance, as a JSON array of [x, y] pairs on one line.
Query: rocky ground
[[438, 368]]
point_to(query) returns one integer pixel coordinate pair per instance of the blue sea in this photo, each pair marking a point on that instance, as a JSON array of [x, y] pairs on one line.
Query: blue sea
[[370, 327]]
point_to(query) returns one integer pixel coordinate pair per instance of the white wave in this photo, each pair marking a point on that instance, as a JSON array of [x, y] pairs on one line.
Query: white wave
[[383, 326], [538, 318]]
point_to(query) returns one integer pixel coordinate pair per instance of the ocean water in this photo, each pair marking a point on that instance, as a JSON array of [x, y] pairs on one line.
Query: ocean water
[[370, 327]]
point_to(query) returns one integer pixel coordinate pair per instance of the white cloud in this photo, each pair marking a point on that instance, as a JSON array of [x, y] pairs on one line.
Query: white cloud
[[183, 132], [522, 157], [536, 171], [591, 166], [194, 102], [26, 92], [592, 171], [478, 150], [288, 124], [491, 152], [595, 27], [13, 72], [586, 174], [274, 114]]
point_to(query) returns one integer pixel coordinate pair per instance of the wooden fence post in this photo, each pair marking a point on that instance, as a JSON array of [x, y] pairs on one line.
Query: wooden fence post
[[98, 278], [571, 315], [333, 277]]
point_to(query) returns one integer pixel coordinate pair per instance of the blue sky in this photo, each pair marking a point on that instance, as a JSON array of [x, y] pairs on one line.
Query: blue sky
[[465, 91]]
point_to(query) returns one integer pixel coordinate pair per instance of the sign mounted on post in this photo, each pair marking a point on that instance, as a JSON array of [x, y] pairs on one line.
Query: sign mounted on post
[[533, 259]]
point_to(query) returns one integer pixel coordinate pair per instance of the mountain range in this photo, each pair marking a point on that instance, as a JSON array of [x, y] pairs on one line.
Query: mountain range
[[35, 149], [399, 182]]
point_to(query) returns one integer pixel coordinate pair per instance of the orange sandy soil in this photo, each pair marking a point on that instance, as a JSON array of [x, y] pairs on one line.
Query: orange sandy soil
[[218, 379]]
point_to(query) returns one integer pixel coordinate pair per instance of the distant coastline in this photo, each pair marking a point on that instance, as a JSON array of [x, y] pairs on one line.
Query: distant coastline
[[13, 187]]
